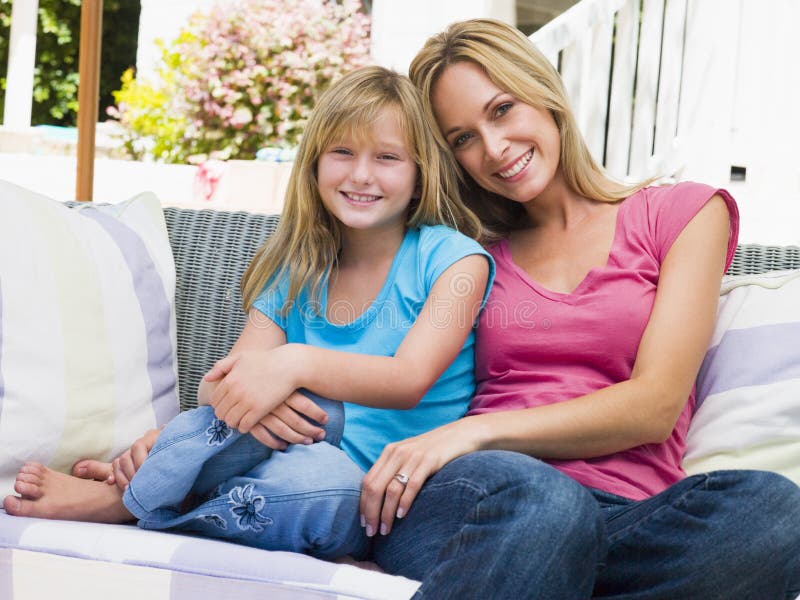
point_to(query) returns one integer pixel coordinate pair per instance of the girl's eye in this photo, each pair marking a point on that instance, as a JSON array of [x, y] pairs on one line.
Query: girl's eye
[[503, 109], [460, 140], [344, 151], [388, 157]]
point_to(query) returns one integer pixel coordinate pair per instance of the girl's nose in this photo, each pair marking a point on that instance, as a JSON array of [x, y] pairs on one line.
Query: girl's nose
[[362, 173]]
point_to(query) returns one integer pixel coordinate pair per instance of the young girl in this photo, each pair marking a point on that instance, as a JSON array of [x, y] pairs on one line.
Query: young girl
[[365, 293]]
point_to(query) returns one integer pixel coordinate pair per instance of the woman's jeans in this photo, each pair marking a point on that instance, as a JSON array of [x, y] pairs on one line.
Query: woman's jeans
[[202, 476], [498, 524]]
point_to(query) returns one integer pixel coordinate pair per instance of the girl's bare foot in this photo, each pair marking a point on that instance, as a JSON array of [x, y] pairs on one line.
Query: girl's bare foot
[[48, 494]]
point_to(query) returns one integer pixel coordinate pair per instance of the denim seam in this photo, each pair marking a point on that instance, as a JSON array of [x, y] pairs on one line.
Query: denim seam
[[679, 502], [177, 439]]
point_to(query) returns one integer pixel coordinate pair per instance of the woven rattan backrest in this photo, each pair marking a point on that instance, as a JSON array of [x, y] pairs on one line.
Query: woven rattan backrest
[[213, 248], [754, 258]]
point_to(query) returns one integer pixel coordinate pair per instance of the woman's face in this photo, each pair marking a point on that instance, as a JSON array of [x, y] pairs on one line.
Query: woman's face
[[508, 147]]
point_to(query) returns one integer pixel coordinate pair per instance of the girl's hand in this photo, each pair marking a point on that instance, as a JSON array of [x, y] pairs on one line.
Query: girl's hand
[[122, 469], [286, 424], [252, 384], [384, 496], [126, 464]]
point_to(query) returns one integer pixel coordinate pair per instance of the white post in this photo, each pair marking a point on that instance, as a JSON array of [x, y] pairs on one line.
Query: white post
[[21, 63]]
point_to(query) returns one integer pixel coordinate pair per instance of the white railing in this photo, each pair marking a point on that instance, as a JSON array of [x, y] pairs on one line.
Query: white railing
[[622, 64]]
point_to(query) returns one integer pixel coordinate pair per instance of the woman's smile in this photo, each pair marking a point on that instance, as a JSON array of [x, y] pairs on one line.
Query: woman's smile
[[511, 172]]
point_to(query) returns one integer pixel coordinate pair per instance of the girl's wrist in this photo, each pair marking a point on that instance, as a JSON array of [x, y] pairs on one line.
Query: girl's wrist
[[294, 364]]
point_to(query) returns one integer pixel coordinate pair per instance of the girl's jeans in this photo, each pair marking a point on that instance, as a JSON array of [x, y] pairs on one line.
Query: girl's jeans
[[202, 476], [495, 524]]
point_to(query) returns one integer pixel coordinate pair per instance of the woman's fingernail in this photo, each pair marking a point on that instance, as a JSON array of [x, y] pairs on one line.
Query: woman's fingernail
[[320, 436], [384, 529], [363, 520], [308, 441], [400, 513], [370, 531]]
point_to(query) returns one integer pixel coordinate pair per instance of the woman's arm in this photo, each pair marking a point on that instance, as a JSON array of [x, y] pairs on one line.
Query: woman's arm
[[638, 411], [398, 381]]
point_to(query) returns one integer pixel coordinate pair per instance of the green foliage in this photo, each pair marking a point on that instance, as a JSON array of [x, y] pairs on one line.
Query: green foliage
[[55, 92]]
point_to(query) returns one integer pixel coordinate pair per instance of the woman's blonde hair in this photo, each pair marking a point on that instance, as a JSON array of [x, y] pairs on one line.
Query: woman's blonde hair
[[308, 239], [513, 64]]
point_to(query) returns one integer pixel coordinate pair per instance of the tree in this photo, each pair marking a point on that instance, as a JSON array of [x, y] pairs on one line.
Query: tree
[[55, 88]]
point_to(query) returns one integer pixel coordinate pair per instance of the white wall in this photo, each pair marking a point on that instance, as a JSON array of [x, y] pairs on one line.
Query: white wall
[[162, 19], [400, 28], [742, 93]]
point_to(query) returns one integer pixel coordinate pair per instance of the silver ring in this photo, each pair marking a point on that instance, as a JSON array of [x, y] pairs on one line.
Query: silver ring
[[401, 477]]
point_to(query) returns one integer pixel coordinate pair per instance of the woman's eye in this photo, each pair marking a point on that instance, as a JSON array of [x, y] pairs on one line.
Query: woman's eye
[[503, 108]]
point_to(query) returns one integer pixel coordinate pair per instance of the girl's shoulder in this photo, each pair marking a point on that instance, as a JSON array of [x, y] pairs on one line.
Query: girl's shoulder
[[434, 234]]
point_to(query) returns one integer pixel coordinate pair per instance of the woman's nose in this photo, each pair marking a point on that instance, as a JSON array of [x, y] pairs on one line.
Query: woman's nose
[[495, 145]]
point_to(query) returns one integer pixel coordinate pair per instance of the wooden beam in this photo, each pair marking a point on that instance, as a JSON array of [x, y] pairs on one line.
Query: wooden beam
[[88, 94]]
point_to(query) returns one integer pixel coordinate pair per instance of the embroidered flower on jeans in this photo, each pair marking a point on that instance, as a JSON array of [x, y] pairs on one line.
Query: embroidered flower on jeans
[[246, 507], [214, 520], [218, 433]]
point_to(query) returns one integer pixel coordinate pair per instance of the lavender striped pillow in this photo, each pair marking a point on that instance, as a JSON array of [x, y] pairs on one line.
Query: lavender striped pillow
[[747, 414], [87, 328]]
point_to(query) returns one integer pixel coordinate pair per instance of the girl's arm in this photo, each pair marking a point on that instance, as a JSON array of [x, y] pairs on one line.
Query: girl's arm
[[262, 335], [641, 410], [398, 381]]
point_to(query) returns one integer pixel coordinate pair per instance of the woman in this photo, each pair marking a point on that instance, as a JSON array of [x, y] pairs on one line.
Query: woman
[[587, 352]]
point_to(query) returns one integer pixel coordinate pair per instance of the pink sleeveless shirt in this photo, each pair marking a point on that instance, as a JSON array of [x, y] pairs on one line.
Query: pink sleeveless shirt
[[536, 347]]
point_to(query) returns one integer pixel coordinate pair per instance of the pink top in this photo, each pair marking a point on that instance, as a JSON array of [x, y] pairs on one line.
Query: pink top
[[536, 347]]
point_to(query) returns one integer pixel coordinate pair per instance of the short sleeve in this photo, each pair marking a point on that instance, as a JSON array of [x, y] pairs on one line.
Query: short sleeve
[[672, 207], [441, 247], [271, 300]]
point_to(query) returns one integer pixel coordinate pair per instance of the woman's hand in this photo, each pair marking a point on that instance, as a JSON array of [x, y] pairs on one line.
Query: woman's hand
[[286, 424], [122, 469], [252, 384], [383, 494]]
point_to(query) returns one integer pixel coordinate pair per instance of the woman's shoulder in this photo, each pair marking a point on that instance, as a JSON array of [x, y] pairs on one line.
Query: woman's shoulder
[[664, 211], [664, 194]]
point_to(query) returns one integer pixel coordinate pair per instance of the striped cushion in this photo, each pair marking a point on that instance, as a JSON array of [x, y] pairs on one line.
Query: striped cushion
[[748, 391], [87, 328]]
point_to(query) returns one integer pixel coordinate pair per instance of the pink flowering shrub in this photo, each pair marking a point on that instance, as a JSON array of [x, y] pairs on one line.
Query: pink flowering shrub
[[241, 77]]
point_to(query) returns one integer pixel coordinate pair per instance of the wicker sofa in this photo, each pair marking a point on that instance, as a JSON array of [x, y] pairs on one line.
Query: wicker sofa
[[212, 249], [87, 560]]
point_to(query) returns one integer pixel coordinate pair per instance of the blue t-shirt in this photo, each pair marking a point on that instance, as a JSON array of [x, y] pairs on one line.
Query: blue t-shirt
[[425, 253]]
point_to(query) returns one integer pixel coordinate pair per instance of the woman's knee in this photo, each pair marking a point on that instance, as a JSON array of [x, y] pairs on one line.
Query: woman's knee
[[535, 495]]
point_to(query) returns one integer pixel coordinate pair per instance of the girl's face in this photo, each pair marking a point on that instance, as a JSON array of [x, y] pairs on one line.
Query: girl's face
[[508, 147], [368, 183]]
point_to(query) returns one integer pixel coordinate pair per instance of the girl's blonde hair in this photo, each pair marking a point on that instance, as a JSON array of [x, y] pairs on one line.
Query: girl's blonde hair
[[307, 241], [513, 64]]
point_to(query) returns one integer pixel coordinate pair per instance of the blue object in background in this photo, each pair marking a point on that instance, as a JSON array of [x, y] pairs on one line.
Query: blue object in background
[[274, 154]]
